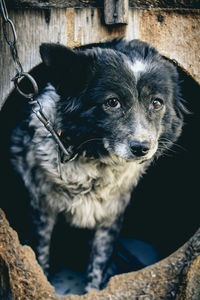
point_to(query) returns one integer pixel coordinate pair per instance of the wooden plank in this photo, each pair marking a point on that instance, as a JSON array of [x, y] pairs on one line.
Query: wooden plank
[[164, 3], [195, 4], [175, 35], [116, 12], [54, 3]]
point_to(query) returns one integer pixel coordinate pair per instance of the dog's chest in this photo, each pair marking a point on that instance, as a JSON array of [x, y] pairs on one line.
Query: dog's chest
[[98, 192]]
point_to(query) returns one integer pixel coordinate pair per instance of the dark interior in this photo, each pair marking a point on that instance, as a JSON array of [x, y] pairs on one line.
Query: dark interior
[[165, 210]]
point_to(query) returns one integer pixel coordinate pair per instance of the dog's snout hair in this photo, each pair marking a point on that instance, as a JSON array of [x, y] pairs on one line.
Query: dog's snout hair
[[142, 138]]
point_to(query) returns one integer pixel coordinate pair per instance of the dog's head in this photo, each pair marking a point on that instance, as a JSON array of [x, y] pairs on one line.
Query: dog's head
[[118, 98]]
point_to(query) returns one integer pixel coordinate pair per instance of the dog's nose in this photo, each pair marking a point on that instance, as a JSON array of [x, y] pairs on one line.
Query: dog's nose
[[139, 148]]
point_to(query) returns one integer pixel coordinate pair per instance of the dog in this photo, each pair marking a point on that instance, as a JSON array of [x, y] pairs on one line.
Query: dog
[[118, 106]]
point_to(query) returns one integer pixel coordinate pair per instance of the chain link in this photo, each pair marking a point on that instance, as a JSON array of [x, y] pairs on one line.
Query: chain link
[[8, 24], [11, 41], [4, 10], [12, 27], [16, 61], [32, 81]]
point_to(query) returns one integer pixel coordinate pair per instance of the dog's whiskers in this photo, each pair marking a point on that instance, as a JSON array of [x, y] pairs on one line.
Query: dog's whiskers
[[165, 141], [164, 147]]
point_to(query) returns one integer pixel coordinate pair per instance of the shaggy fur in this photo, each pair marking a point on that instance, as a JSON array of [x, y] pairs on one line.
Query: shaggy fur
[[117, 105]]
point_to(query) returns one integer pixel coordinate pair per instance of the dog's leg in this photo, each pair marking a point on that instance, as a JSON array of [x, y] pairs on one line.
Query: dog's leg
[[102, 249], [43, 224]]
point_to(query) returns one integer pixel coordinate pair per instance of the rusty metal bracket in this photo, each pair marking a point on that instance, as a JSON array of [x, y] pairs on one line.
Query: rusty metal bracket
[[116, 12]]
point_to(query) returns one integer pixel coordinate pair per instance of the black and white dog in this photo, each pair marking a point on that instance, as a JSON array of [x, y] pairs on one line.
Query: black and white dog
[[117, 105]]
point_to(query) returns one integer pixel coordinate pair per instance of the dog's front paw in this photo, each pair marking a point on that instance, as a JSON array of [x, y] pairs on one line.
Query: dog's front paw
[[45, 267], [92, 283], [90, 287]]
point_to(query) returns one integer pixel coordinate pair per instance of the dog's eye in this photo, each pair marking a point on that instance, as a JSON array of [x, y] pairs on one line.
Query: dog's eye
[[113, 103], [156, 104]]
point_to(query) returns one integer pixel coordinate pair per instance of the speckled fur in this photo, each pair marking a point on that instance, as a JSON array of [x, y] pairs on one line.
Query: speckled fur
[[93, 190]]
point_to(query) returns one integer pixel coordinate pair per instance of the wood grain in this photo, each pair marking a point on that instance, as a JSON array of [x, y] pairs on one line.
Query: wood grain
[[116, 12], [99, 3]]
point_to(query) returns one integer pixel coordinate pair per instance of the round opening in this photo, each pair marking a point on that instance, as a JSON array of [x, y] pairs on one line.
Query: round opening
[[162, 216]]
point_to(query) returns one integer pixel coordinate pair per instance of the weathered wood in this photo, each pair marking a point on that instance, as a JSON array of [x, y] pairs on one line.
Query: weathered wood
[[176, 277], [116, 12], [164, 3], [174, 34], [54, 3], [99, 3]]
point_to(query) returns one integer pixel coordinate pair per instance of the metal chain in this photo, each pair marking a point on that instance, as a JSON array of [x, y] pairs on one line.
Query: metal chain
[[8, 24]]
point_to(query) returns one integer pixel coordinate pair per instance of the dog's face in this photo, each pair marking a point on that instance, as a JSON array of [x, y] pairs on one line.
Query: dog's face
[[114, 103]]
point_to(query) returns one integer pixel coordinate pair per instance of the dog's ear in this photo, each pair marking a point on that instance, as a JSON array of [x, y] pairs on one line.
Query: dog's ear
[[68, 70]]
